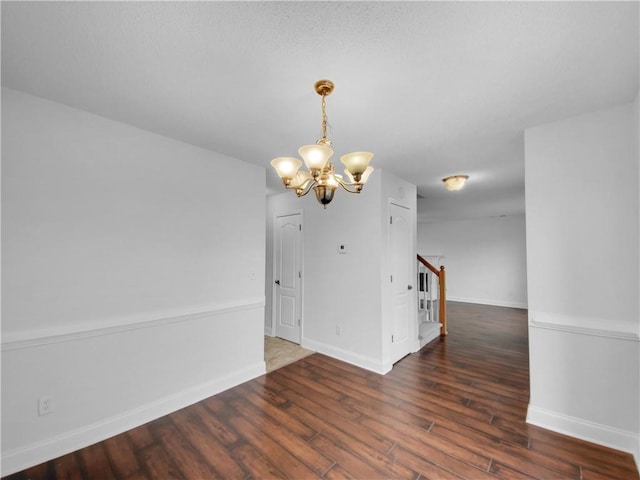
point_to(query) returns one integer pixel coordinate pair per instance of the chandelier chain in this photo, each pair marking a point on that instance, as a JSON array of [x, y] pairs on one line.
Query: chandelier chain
[[324, 119]]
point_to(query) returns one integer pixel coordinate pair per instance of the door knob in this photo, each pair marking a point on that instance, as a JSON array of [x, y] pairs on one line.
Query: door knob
[[277, 282], [409, 287]]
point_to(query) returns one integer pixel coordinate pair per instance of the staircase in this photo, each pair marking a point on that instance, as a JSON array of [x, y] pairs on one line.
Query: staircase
[[432, 314]]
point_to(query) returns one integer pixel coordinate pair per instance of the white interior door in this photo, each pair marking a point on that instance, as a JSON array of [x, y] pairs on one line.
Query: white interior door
[[400, 259], [288, 276]]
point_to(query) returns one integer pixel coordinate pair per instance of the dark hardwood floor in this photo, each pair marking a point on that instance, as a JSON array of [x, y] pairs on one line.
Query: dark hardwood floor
[[454, 410]]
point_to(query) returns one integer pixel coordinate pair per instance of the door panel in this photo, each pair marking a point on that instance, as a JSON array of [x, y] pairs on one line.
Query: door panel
[[288, 276], [288, 317]]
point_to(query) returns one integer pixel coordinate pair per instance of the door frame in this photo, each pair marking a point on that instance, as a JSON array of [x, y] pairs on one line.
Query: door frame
[[412, 302], [276, 215]]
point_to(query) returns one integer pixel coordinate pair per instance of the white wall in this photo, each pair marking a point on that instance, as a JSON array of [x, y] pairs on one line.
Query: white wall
[[583, 276], [484, 258], [343, 289], [129, 277]]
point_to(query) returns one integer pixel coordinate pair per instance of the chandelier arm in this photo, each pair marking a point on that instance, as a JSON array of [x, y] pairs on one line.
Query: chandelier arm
[[345, 185]]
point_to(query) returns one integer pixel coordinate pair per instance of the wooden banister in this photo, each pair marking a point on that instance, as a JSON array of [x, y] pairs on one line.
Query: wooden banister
[[428, 265], [442, 299]]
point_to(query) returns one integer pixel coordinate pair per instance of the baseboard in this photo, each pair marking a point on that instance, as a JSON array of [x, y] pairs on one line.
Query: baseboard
[[430, 336], [592, 432], [42, 451], [486, 301], [361, 361]]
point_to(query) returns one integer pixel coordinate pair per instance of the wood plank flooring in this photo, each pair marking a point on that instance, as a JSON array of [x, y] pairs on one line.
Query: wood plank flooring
[[454, 410]]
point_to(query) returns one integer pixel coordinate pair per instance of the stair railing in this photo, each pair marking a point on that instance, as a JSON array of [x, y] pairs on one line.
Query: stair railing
[[442, 297]]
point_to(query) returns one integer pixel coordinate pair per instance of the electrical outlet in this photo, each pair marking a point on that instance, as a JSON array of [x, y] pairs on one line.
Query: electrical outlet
[[45, 405], [338, 330]]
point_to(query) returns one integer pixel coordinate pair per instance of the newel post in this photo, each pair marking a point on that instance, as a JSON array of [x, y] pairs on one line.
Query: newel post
[[443, 301]]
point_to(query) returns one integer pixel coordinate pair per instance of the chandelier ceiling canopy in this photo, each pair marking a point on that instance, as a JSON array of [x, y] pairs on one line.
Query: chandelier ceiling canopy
[[321, 175]]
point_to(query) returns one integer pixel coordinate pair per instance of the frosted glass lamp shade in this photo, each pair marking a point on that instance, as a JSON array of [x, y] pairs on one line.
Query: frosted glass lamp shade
[[286, 167], [315, 156], [300, 180], [365, 176], [357, 162], [455, 182], [334, 179]]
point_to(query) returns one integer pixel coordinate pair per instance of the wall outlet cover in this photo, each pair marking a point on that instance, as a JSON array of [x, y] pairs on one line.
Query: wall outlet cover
[[45, 405]]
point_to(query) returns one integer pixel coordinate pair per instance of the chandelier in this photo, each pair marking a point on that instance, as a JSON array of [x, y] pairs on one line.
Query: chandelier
[[321, 175]]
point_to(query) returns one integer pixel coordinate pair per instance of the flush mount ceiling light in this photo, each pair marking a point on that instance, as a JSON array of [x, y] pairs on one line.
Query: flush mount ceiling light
[[455, 182], [321, 175]]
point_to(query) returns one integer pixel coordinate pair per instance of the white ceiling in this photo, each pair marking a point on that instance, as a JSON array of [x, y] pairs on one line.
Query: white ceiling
[[432, 88]]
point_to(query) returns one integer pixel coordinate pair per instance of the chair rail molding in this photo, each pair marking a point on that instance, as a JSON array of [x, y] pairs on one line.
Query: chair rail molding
[[72, 332], [608, 328]]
